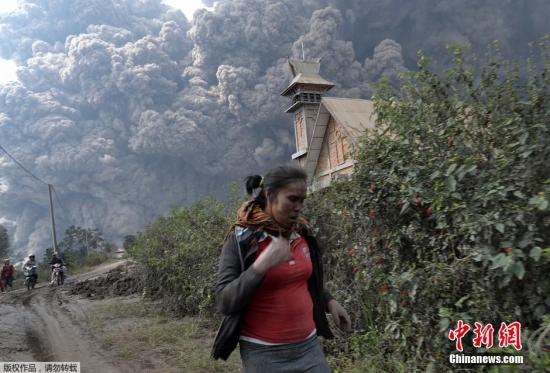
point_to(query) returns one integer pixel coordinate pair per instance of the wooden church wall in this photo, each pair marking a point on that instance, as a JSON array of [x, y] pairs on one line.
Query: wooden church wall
[[300, 132], [335, 151]]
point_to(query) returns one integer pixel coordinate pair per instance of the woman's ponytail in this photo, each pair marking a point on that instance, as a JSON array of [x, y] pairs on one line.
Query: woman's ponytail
[[252, 183]]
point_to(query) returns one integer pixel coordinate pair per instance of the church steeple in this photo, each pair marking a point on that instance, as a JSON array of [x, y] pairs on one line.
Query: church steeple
[[306, 89]]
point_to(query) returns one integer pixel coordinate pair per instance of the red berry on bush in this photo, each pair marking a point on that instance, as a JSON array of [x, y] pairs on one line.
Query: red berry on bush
[[345, 215], [450, 142], [372, 213], [401, 203], [418, 200], [429, 210], [508, 251]]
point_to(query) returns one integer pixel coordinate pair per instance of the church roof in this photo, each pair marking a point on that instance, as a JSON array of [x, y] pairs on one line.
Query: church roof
[[353, 115], [306, 72], [308, 67]]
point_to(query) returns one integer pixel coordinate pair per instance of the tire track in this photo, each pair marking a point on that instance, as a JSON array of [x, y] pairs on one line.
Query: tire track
[[42, 326]]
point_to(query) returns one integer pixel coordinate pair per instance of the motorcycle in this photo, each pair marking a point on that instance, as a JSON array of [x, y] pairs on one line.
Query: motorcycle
[[58, 274], [31, 275]]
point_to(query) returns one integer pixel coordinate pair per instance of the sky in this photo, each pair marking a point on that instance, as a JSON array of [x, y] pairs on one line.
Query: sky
[[8, 68]]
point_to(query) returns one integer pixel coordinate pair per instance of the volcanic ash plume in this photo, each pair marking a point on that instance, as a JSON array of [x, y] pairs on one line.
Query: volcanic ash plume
[[129, 109]]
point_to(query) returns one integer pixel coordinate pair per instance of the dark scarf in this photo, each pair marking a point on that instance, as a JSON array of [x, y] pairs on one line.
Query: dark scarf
[[251, 215]]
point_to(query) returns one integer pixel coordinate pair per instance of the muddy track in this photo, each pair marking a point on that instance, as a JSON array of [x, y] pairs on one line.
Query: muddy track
[[44, 325]]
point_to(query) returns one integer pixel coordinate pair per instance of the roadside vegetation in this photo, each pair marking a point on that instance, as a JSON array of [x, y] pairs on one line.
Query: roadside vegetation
[[446, 218], [81, 249]]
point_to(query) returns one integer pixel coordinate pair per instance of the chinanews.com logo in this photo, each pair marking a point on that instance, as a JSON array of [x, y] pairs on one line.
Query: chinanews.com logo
[[509, 335]]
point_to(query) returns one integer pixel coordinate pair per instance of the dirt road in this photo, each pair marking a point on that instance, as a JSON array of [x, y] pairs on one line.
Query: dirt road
[[45, 324]]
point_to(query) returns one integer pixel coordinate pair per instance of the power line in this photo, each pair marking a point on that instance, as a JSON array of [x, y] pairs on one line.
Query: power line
[[67, 215], [22, 167], [50, 188], [36, 177]]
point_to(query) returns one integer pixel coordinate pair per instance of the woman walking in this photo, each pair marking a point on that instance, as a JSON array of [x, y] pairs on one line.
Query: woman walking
[[270, 284], [8, 275]]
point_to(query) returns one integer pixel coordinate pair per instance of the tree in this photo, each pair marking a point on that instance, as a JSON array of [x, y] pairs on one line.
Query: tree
[[47, 255], [80, 242], [4, 242], [129, 241]]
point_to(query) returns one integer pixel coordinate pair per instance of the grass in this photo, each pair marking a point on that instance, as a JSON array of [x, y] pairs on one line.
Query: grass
[[135, 330], [77, 269]]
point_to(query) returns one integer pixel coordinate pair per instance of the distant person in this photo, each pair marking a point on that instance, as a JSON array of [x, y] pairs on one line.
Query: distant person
[[57, 260], [31, 262], [270, 281], [8, 275]]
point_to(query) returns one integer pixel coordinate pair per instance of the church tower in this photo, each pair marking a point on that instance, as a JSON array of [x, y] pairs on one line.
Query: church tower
[[306, 89]]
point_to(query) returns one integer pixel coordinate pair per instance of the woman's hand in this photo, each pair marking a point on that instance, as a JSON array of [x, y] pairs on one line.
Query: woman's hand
[[339, 315], [276, 253]]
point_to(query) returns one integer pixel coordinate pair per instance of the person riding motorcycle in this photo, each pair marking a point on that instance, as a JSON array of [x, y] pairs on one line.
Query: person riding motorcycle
[[29, 264], [31, 261], [57, 260]]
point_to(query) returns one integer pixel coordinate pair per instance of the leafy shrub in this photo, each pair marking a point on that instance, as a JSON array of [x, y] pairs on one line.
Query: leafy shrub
[[447, 215], [95, 258], [180, 255]]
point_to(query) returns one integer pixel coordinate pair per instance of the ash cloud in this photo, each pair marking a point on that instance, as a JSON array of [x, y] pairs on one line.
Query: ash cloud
[[130, 109]]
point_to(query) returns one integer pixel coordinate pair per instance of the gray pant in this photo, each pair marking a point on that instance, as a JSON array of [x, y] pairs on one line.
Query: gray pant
[[306, 356]]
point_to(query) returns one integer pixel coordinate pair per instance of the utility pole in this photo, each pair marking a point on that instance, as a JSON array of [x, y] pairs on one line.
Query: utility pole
[[52, 217], [86, 235]]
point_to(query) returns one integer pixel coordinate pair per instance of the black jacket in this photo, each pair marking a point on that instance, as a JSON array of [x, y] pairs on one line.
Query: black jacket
[[238, 282], [55, 261]]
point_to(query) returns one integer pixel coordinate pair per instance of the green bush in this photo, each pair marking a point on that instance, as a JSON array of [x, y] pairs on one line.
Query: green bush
[[180, 255], [95, 258], [447, 216]]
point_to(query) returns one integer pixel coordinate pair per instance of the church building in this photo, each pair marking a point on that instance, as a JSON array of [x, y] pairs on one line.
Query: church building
[[326, 129]]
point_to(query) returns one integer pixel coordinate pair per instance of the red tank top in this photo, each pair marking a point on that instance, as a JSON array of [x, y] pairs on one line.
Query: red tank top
[[281, 311]]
